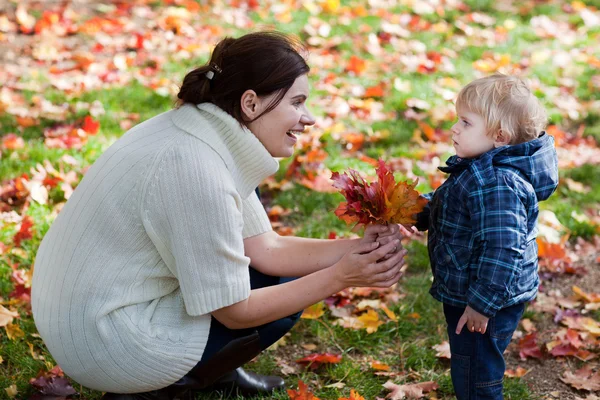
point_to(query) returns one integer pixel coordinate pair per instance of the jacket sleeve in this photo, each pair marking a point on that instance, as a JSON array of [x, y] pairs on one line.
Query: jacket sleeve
[[423, 217], [499, 224]]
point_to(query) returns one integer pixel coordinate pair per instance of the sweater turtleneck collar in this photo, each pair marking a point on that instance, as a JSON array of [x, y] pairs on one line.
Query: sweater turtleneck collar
[[246, 158]]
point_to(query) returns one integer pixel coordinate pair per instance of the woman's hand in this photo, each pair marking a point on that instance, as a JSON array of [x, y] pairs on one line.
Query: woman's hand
[[365, 265], [372, 232]]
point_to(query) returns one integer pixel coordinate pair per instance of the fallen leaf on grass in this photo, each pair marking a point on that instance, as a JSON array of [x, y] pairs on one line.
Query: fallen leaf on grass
[[314, 361], [314, 312], [370, 321], [409, 391], [52, 384], [516, 373], [442, 350], [379, 366], [583, 379], [11, 391], [302, 393], [353, 396], [7, 316], [14, 332]]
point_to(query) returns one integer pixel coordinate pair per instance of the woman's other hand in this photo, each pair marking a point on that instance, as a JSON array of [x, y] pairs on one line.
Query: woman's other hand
[[365, 265]]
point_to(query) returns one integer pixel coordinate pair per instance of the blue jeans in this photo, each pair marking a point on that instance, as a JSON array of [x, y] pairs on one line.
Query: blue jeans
[[477, 362]]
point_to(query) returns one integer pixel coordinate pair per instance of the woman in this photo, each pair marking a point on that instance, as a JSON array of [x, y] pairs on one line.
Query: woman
[[142, 285]]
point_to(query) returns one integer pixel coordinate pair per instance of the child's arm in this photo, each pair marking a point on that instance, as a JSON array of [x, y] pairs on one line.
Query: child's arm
[[423, 217], [499, 224]]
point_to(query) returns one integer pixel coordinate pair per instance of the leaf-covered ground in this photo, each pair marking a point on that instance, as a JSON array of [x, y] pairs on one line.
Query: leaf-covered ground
[[76, 75]]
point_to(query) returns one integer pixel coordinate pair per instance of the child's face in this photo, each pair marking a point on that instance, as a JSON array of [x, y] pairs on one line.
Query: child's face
[[469, 135]]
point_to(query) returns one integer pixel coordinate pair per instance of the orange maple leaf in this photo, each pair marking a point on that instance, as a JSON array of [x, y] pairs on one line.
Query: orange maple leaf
[[356, 65], [353, 396], [314, 361], [12, 142], [302, 393]]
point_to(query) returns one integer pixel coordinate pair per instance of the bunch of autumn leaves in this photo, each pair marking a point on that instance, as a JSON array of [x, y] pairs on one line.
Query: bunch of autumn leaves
[[384, 201]]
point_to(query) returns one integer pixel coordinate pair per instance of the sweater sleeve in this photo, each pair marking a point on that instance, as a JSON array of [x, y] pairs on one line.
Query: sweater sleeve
[[256, 221], [193, 214]]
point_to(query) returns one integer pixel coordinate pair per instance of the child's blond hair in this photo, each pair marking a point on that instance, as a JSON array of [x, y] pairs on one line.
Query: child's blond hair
[[505, 103]]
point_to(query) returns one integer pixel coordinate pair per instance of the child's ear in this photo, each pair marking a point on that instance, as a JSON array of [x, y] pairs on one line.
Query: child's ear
[[501, 139]]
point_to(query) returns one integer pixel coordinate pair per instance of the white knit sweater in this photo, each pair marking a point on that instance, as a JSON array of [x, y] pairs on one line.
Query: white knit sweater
[[149, 244]]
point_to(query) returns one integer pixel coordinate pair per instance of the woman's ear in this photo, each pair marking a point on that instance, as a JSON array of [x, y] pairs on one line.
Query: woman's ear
[[250, 103], [501, 139]]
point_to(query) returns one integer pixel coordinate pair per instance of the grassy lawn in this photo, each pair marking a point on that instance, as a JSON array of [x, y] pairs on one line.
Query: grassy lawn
[[464, 43]]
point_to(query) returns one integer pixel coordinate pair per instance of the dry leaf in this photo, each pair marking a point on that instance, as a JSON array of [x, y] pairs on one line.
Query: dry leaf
[[518, 373], [314, 312], [7, 316], [409, 391], [583, 379], [370, 321], [11, 391], [442, 350]]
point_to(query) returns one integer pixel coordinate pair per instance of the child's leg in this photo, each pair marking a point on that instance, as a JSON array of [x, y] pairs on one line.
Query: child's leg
[[477, 363]]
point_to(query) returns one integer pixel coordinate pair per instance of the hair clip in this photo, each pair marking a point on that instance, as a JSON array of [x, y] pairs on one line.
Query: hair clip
[[211, 74]]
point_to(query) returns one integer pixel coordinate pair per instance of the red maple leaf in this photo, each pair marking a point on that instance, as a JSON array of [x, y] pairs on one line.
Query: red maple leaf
[[90, 125], [314, 361], [25, 231], [528, 347]]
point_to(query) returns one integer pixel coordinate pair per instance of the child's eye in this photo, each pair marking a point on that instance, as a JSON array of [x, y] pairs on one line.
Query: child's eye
[[466, 123]]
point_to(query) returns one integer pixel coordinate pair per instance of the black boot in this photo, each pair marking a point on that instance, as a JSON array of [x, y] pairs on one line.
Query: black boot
[[246, 383]]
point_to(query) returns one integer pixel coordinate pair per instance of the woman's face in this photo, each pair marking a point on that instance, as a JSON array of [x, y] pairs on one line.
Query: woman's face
[[278, 128]]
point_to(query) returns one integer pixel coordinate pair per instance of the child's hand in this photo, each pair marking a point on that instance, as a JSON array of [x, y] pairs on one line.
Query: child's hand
[[475, 322]]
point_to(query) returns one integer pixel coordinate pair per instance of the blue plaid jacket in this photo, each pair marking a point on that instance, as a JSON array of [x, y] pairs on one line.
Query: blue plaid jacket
[[482, 225]]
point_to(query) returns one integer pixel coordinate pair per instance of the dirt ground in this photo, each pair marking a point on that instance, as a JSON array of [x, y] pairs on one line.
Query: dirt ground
[[544, 375]]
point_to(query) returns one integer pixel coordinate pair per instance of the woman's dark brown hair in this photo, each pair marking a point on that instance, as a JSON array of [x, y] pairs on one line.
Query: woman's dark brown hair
[[265, 62]]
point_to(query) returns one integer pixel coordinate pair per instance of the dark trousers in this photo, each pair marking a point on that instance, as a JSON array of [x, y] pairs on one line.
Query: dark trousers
[[477, 361], [260, 338]]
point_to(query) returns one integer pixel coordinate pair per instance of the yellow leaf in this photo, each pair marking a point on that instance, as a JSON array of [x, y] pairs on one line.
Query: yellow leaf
[[13, 331], [11, 391], [370, 321], [390, 314], [314, 312]]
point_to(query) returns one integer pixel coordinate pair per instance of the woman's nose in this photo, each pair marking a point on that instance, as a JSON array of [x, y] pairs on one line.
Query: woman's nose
[[307, 118]]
